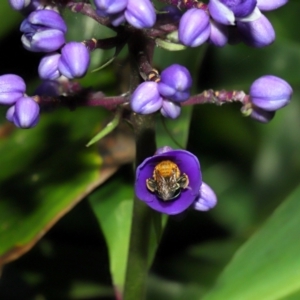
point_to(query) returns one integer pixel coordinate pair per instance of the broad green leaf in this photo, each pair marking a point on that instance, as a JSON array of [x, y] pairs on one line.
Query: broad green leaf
[[112, 205], [266, 267], [44, 172]]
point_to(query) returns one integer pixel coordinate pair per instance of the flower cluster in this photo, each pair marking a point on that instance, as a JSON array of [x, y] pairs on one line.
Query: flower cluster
[[172, 88], [171, 182], [23, 111], [139, 14], [229, 21], [43, 30]]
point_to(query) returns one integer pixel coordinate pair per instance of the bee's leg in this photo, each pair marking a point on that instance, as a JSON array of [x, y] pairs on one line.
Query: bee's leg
[[151, 184], [183, 181]]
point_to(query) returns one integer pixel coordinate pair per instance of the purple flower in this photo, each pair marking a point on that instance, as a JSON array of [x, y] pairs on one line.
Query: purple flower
[[207, 198], [25, 113], [221, 13], [270, 4], [18, 4], [48, 67], [48, 88], [74, 60], [170, 181], [258, 33], [10, 114], [117, 19], [194, 27], [110, 7], [146, 98], [240, 8], [270, 93], [12, 88], [169, 13], [170, 109], [261, 115], [26, 6], [218, 34], [225, 11], [140, 14], [175, 83], [44, 31]]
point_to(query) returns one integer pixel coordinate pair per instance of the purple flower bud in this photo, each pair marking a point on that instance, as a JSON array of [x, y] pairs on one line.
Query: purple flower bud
[[169, 182], [170, 13], [270, 93], [110, 7], [12, 88], [140, 14], [19, 4], [261, 115], [258, 33], [74, 60], [117, 19], [146, 98], [218, 34], [194, 27], [270, 4], [43, 30], [10, 114], [175, 83], [26, 114], [170, 109], [207, 198], [49, 88], [221, 13], [240, 8], [48, 67], [25, 6]]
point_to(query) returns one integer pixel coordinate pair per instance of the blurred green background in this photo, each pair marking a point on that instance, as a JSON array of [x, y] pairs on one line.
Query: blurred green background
[[252, 167]]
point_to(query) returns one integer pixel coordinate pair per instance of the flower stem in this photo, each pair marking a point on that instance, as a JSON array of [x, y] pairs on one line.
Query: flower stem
[[138, 257], [144, 129]]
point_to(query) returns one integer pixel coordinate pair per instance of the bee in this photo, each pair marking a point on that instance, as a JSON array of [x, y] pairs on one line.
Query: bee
[[167, 182]]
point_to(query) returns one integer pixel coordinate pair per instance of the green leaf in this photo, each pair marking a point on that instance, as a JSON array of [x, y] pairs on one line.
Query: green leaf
[[267, 265], [167, 45], [44, 172], [112, 205], [105, 131], [174, 133]]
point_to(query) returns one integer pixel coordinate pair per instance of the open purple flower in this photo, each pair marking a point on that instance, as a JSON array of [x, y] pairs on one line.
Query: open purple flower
[[169, 181]]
